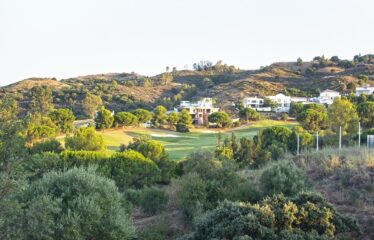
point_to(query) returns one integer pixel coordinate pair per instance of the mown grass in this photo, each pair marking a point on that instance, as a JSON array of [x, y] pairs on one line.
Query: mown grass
[[179, 145]]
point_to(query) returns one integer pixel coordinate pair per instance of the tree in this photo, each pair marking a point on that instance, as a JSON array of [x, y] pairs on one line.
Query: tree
[[76, 204], [249, 113], [41, 100], [85, 138], [342, 113], [282, 177], [313, 119], [173, 119], [166, 78], [366, 113], [90, 104], [222, 119], [125, 119], [104, 119], [12, 155], [296, 108], [49, 145], [159, 115], [184, 117], [149, 148], [64, 119], [39, 127], [284, 117], [206, 83], [305, 139], [299, 62], [143, 115]]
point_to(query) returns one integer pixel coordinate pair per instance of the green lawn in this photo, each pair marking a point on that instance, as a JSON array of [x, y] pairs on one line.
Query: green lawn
[[179, 145]]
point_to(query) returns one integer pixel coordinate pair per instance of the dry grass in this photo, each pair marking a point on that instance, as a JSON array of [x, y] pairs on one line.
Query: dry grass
[[343, 177]]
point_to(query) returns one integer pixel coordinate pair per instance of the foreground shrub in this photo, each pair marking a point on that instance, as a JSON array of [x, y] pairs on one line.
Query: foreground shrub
[[85, 138], [39, 164], [70, 159], [191, 192], [282, 177], [76, 204], [50, 145], [152, 200], [132, 169], [307, 216]]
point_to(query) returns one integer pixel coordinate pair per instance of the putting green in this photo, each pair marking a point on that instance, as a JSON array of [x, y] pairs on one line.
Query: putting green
[[179, 145]]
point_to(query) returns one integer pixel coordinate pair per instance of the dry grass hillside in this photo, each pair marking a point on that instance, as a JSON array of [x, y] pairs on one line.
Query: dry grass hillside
[[29, 83], [121, 91]]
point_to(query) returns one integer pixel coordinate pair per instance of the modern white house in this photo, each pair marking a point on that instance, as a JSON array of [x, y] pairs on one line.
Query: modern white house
[[255, 103], [368, 90], [326, 97], [283, 101], [199, 110]]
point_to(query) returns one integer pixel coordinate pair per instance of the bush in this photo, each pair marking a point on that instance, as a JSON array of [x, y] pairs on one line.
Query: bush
[[282, 177], [307, 216], [50, 145], [125, 119], [70, 159], [181, 127], [249, 114], [76, 204], [222, 119], [153, 200], [64, 119], [191, 192], [42, 163], [85, 138], [132, 169]]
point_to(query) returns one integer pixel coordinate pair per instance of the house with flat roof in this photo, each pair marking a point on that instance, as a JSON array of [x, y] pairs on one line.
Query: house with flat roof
[[326, 97], [283, 101], [199, 110], [255, 103], [368, 90]]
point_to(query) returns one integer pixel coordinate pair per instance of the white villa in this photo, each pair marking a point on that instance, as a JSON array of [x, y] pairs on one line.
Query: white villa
[[255, 103], [199, 110], [283, 101], [364, 90], [326, 97]]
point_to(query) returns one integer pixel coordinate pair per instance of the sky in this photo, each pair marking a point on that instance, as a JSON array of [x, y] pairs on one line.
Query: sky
[[68, 38]]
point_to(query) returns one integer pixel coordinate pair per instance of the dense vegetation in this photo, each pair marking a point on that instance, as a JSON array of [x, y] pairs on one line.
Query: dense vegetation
[[247, 188]]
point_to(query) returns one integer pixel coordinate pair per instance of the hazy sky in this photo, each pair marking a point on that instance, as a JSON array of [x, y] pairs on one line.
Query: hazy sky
[[66, 38]]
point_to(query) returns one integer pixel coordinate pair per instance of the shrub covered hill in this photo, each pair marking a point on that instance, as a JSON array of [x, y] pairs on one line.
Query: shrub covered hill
[[227, 84]]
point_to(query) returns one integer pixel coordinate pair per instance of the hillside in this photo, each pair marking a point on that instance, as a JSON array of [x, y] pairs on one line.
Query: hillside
[[227, 84]]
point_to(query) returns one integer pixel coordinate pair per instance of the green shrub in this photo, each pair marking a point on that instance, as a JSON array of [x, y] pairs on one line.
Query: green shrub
[[158, 231], [282, 177], [191, 192], [307, 216], [50, 145], [153, 200], [39, 164], [181, 127], [76, 204], [132, 169], [85, 138]]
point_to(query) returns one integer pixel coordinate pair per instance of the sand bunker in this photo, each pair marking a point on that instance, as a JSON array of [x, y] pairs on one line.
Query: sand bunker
[[163, 135]]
